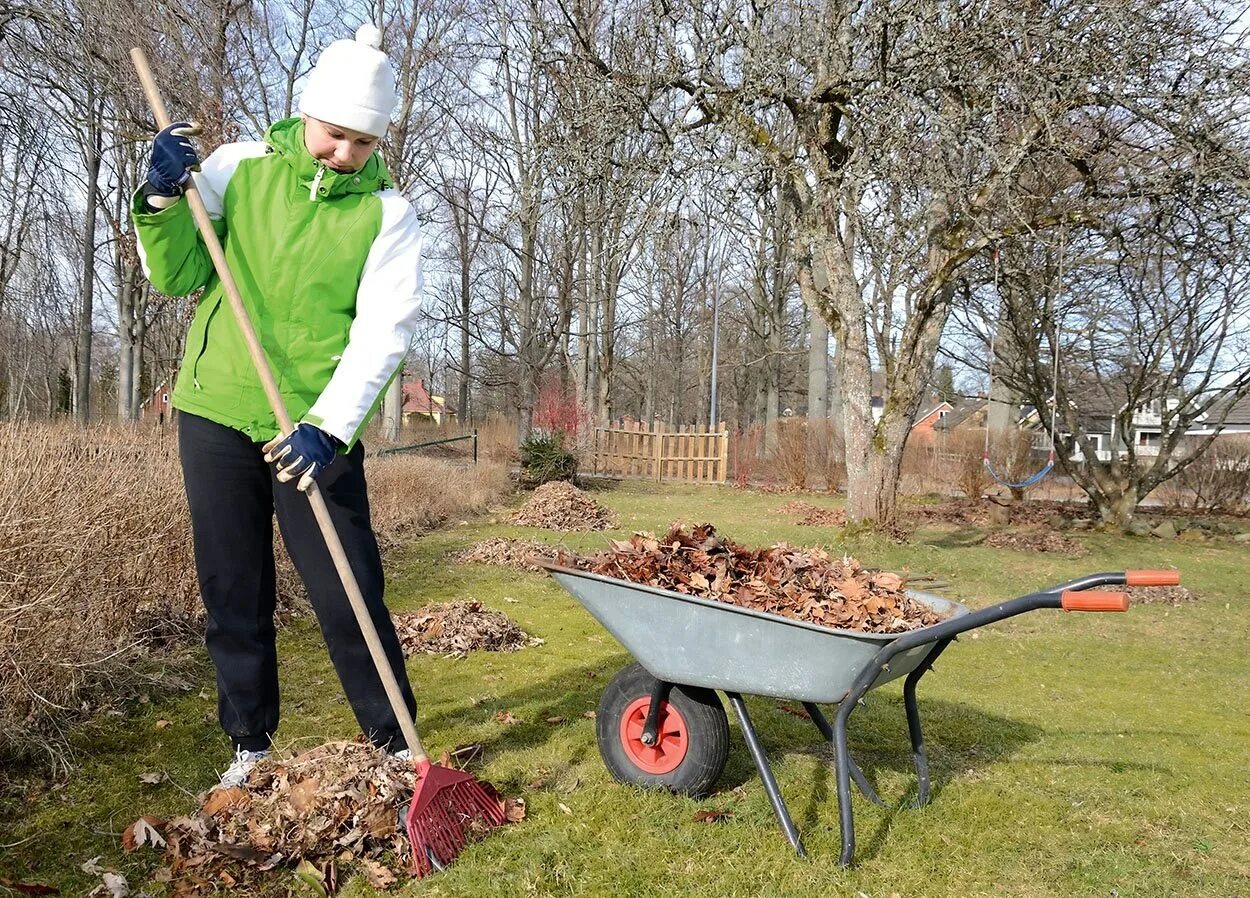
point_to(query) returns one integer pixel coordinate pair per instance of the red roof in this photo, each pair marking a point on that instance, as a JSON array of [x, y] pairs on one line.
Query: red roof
[[417, 400]]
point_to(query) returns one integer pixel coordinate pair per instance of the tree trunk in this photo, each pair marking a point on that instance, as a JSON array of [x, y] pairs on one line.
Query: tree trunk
[[82, 352], [392, 408], [817, 386]]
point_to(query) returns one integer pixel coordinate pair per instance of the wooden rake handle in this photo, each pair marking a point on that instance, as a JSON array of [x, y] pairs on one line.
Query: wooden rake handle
[[261, 363]]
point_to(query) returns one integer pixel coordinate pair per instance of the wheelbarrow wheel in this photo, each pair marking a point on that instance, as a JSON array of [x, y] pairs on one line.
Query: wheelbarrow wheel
[[693, 739]]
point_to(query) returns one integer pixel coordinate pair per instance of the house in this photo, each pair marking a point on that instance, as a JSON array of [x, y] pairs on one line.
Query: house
[[968, 413], [1098, 413], [932, 410], [156, 407], [419, 403], [928, 416]]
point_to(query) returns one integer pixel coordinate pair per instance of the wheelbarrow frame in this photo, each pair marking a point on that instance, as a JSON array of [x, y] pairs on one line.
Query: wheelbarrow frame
[[1075, 595]]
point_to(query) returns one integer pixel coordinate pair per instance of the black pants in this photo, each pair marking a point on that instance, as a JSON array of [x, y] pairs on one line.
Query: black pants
[[233, 495]]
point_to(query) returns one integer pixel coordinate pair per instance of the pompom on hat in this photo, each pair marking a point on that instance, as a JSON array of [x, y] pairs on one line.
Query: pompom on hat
[[352, 84]]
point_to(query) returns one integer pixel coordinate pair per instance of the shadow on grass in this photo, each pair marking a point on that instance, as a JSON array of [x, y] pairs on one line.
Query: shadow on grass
[[963, 538]]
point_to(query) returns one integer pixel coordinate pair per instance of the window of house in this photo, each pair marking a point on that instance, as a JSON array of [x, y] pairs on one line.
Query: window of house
[[1148, 438]]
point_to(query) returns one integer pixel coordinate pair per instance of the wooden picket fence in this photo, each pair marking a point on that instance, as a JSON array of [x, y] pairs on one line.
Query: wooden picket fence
[[633, 450]]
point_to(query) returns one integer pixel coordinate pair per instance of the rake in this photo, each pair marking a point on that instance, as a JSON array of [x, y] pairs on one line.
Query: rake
[[448, 806]]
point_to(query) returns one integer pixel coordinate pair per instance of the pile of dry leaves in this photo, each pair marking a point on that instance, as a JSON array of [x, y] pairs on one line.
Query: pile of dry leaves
[[1160, 595], [457, 628], [809, 515], [1035, 541], [514, 553], [561, 506], [804, 584], [328, 813]]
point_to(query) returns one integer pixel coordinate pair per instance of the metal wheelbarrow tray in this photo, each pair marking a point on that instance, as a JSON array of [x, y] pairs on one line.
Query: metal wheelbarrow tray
[[661, 724]]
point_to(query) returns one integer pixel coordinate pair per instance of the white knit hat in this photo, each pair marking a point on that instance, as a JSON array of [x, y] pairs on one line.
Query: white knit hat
[[352, 84]]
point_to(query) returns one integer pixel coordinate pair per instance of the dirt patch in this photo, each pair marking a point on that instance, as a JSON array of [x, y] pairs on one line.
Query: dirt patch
[[961, 512], [454, 629], [1160, 595], [328, 813], [1034, 541], [977, 512], [520, 554], [808, 515], [804, 584], [562, 506]]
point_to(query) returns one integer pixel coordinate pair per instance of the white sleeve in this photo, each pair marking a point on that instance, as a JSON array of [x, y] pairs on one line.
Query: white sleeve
[[215, 172], [388, 303]]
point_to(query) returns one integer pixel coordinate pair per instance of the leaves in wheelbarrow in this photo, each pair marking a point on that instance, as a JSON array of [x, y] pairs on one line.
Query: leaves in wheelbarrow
[[806, 584], [336, 804]]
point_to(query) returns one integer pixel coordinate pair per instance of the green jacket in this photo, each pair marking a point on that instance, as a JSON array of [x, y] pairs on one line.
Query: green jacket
[[329, 266]]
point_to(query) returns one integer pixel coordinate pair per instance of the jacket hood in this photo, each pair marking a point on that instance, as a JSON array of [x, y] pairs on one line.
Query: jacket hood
[[286, 138]]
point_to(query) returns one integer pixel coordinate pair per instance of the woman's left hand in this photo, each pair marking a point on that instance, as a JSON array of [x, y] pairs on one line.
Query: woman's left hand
[[305, 453]]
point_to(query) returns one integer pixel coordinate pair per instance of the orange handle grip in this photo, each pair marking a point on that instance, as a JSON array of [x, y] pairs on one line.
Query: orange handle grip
[[1152, 578], [1093, 600]]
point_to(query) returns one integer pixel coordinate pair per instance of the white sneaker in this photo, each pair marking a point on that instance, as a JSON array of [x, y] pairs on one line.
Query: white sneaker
[[239, 770], [404, 754]]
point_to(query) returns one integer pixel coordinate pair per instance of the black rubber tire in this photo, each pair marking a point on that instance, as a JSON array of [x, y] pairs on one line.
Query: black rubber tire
[[707, 741]]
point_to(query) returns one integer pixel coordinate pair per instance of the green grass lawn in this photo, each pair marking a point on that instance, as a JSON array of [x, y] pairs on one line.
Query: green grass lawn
[[1072, 755]]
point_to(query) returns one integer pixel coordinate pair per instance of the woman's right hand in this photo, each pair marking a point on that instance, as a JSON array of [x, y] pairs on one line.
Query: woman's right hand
[[173, 159]]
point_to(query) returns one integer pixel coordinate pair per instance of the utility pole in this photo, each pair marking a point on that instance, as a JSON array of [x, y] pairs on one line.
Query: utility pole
[[711, 407]]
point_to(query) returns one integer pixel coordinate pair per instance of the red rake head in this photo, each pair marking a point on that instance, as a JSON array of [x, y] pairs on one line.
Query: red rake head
[[448, 809]]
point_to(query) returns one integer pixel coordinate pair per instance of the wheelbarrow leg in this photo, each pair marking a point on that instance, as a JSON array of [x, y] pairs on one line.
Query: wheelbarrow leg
[[766, 773], [918, 754], [861, 781]]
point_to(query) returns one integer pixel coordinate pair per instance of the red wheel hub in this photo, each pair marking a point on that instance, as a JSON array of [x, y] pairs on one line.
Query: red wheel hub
[[672, 737]]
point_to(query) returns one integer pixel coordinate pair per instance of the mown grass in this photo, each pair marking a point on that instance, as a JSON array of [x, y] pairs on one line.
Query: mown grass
[[1072, 755]]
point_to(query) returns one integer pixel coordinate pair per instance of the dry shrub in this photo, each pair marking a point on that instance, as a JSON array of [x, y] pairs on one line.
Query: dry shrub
[[497, 440], [788, 458], [744, 453], [409, 495], [95, 566], [920, 468], [1219, 479], [96, 563], [967, 466]]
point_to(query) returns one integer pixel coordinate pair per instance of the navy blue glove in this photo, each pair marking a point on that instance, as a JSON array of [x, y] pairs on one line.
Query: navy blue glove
[[173, 159], [307, 452]]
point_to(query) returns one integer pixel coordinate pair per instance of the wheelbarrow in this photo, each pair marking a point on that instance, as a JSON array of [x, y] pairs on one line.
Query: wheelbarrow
[[660, 721]]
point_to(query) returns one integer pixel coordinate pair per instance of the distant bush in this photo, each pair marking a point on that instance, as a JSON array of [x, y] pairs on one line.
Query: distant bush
[[545, 458], [1219, 479]]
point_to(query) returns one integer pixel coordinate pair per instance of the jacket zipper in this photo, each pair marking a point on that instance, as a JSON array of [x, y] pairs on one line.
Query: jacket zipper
[[316, 182], [195, 381]]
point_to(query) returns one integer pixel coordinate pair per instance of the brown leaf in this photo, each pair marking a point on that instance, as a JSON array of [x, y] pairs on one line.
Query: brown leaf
[[708, 816], [379, 820], [304, 795], [564, 808], [797, 712], [144, 831], [514, 809], [888, 581], [378, 876], [161, 724], [152, 778], [555, 721], [220, 800], [507, 718]]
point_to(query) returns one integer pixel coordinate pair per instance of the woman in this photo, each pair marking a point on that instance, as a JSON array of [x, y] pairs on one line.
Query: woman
[[327, 257]]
